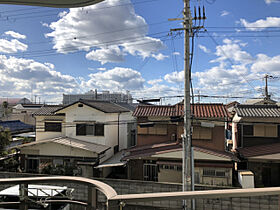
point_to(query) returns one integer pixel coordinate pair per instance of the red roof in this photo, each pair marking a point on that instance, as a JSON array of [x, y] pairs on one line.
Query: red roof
[[198, 110], [265, 149]]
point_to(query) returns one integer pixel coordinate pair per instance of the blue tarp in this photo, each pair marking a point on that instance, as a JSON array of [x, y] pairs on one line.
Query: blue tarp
[[16, 126]]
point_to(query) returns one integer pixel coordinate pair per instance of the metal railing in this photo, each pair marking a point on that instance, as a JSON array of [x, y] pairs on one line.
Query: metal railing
[[115, 201]]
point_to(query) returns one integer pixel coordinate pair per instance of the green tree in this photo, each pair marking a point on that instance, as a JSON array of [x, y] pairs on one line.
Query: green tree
[[5, 138]]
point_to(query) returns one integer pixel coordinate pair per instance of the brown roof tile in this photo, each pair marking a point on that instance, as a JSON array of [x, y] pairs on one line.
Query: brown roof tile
[[199, 110], [259, 150]]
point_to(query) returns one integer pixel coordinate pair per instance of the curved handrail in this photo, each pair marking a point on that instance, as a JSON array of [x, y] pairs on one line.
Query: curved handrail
[[107, 190]]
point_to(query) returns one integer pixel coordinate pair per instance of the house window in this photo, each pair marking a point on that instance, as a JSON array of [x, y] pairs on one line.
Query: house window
[[209, 172], [220, 173], [202, 133], [90, 130], [33, 165], [99, 130], [265, 130], [53, 126], [150, 172], [213, 172], [157, 129], [248, 130]]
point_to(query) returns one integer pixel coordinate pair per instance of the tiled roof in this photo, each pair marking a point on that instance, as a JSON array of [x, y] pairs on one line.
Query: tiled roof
[[269, 111], [71, 142], [198, 110], [153, 110], [267, 149], [47, 110], [16, 126], [104, 106], [149, 150]]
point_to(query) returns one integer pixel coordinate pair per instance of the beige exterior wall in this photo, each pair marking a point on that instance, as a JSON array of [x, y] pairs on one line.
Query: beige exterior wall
[[54, 149], [171, 176], [214, 180], [175, 176], [40, 127]]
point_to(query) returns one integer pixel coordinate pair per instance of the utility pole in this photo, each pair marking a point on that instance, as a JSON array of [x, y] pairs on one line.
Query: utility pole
[[187, 159], [266, 96], [187, 162]]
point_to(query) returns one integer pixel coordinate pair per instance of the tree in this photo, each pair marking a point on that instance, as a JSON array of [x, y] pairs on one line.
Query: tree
[[5, 138], [5, 105]]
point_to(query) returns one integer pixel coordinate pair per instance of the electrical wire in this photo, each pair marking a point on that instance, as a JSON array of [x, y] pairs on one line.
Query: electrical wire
[[228, 59]]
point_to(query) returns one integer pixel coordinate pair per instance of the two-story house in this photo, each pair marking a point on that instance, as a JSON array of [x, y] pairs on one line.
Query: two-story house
[[82, 135], [158, 154], [256, 139]]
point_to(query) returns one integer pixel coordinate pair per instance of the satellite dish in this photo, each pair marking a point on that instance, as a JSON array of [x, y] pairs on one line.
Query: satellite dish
[[52, 3]]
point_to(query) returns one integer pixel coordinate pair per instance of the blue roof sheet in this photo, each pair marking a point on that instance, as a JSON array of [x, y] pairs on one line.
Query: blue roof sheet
[[16, 126]]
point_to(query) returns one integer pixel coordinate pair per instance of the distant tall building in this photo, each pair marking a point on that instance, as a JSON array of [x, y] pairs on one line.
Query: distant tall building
[[103, 96]]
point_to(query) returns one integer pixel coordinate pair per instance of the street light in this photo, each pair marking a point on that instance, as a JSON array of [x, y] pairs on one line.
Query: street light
[[52, 3]]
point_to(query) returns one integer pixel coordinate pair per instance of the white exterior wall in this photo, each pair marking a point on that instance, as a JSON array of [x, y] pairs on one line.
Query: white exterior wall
[[78, 115], [75, 115], [40, 127], [124, 131]]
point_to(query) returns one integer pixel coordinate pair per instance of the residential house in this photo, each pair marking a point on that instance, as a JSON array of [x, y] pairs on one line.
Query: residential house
[[158, 153], [24, 113], [83, 134], [256, 139]]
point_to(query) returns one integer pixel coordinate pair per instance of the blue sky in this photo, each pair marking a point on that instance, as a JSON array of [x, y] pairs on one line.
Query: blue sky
[[121, 45]]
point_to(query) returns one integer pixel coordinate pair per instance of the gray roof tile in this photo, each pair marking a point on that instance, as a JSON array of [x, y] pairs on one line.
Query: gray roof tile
[[263, 111], [47, 110], [71, 142]]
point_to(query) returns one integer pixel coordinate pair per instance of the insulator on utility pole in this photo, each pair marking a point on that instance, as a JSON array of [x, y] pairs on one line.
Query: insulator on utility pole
[[204, 16]]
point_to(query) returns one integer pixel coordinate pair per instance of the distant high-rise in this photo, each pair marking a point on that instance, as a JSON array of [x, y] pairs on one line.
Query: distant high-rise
[[116, 97]]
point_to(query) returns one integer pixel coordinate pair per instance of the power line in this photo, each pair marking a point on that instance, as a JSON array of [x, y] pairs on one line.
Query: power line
[[128, 40], [228, 58]]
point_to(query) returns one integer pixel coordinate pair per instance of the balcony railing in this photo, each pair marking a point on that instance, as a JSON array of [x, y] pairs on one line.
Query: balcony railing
[[115, 201]]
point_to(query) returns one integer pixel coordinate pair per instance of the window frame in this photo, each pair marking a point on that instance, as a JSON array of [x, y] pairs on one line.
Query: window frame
[[48, 128], [89, 129]]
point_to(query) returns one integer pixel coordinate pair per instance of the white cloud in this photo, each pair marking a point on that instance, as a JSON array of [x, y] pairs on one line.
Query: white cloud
[[154, 81], [175, 77], [158, 90], [176, 53], [104, 55], [204, 49], [95, 29], [231, 50], [102, 69], [266, 64], [271, 1], [159, 56], [261, 24], [229, 78], [12, 46], [15, 35], [116, 79], [18, 74], [224, 13]]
